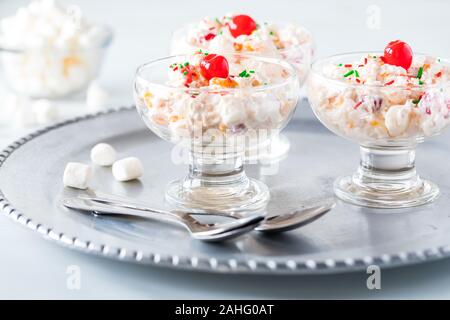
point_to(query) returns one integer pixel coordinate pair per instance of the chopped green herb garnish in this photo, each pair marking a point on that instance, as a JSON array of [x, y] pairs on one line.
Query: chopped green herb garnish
[[356, 73], [349, 73], [186, 64], [206, 53], [245, 73], [416, 101], [340, 65], [374, 57], [271, 33], [419, 73], [420, 82], [185, 73], [217, 20]]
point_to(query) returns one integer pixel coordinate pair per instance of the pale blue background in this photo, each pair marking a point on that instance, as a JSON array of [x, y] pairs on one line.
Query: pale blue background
[[31, 267]]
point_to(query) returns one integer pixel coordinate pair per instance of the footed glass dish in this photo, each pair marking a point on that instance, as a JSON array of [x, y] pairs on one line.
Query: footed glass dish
[[219, 120], [285, 41], [387, 120]]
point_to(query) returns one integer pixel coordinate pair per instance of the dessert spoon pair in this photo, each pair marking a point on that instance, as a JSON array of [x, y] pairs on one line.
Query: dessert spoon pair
[[243, 222]]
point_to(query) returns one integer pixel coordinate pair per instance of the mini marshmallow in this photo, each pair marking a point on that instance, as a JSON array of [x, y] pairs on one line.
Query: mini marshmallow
[[45, 111], [103, 154], [96, 97], [397, 119], [127, 169], [77, 175]]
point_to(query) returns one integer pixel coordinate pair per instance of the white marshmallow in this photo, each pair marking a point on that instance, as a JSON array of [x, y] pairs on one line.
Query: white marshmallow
[[77, 175], [232, 111], [45, 111], [397, 119], [93, 36], [103, 154], [266, 107], [96, 97], [127, 169]]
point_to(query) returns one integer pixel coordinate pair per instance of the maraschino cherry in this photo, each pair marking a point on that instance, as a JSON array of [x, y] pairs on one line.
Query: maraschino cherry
[[214, 66], [242, 25], [398, 53], [210, 36]]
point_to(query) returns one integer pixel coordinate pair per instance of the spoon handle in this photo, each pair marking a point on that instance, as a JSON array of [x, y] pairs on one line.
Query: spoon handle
[[131, 204], [109, 209]]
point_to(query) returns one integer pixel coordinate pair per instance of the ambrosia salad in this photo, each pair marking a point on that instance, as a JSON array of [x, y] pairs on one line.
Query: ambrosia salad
[[240, 33], [380, 97], [210, 95]]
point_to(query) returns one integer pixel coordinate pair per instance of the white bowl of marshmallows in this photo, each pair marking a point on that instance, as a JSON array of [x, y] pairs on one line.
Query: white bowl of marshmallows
[[50, 51]]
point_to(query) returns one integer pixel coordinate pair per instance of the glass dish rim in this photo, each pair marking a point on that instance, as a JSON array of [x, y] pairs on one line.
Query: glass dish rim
[[314, 70], [293, 77], [104, 44], [304, 46]]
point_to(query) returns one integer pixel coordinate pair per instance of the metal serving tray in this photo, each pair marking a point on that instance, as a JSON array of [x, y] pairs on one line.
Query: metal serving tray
[[348, 238]]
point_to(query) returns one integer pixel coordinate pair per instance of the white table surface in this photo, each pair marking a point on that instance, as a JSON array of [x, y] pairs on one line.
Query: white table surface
[[31, 267]]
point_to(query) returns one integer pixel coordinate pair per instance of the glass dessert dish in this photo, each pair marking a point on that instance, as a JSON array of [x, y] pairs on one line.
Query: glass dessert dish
[[51, 73], [50, 51], [219, 108], [234, 33], [387, 109]]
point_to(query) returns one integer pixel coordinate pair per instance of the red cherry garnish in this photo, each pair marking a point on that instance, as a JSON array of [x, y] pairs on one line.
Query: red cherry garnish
[[210, 36], [242, 24], [398, 53], [214, 66]]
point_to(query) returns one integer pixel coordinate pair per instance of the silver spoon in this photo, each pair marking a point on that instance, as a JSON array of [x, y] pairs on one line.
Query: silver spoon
[[277, 223], [198, 230]]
